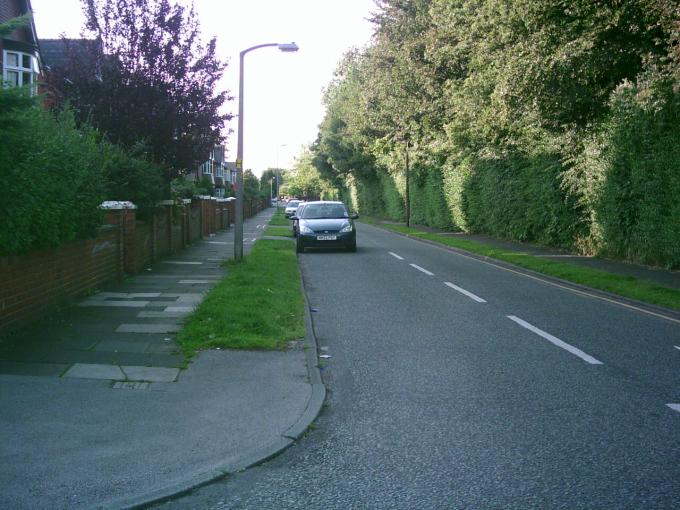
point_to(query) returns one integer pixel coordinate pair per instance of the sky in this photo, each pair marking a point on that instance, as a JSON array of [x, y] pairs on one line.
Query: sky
[[282, 91]]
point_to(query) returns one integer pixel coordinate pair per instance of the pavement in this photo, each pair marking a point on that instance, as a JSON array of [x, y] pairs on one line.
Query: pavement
[[100, 408]]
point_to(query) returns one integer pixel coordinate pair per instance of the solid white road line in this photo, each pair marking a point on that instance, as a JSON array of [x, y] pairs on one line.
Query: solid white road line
[[463, 291], [675, 407], [556, 341], [399, 257], [677, 347], [422, 270]]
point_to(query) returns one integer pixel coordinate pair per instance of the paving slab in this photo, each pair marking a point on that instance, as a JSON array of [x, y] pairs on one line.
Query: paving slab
[[122, 346], [82, 344], [162, 315], [95, 371], [148, 328], [99, 357], [151, 374], [112, 303], [38, 369], [182, 309]]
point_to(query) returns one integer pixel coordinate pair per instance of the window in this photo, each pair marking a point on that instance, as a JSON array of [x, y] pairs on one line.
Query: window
[[220, 171], [206, 167], [20, 69], [219, 192]]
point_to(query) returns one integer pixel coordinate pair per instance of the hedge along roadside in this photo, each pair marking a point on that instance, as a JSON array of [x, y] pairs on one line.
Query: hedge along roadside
[[259, 305], [626, 286], [75, 168]]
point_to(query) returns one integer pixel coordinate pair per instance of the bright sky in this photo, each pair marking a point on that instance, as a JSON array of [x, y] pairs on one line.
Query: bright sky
[[282, 90]]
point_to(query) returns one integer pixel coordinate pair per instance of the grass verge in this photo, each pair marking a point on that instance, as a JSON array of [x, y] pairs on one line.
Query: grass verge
[[279, 219], [626, 286], [259, 305], [279, 231]]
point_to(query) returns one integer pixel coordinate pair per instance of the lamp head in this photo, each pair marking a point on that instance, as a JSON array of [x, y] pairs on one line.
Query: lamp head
[[288, 47]]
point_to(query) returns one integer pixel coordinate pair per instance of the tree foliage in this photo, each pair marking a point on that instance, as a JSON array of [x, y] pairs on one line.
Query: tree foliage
[[147, 78], [514, 116]]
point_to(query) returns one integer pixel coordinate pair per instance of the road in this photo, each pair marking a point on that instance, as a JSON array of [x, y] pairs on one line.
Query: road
[[453, 383]]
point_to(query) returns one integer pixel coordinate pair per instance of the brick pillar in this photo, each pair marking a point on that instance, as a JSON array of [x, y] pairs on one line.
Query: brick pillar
[[168, 212], [123, 215]]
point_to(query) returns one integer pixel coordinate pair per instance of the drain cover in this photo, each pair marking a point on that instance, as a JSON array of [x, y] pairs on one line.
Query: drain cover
[[130, 385]]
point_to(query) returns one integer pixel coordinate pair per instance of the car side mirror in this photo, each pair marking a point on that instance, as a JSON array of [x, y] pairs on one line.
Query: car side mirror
[[354, 216]]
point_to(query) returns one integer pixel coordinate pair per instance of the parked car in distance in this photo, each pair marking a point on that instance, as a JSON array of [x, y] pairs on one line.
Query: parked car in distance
[[291, 207], [326, 224], [295, 217]]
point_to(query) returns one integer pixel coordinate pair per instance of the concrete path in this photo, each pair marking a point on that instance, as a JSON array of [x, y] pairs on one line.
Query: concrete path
[[98, 412]]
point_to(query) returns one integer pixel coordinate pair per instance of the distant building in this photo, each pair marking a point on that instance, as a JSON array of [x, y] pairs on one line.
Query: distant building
[[221, 173], [19, 51]]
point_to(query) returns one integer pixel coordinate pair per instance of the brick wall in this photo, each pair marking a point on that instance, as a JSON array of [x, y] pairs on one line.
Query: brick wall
[[41, 280], [37, 282]]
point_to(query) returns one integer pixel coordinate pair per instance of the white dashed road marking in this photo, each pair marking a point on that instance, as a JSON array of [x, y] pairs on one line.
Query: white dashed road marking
[[399, 257], [675, 407], [556, 341], [422, 270], [181, 262], [463, 291]]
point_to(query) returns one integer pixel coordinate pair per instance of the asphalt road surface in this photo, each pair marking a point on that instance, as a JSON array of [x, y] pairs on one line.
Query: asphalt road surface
[[453, 383]]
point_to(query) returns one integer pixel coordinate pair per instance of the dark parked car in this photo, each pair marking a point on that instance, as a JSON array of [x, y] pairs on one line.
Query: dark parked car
[[300, 208], [326, 225]]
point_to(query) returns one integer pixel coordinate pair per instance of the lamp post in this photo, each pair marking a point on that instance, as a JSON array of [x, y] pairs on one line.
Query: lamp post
[[238, 220]]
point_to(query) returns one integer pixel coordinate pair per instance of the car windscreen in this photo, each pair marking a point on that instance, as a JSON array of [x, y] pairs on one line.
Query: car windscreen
[[324, 211], [293, 203]]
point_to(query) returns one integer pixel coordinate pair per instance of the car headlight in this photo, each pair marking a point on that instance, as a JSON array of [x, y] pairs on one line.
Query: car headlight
[[305, 230], [347, 228]]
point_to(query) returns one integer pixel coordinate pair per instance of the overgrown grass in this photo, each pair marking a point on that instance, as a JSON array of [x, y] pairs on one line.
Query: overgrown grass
[[626, 286], [279, 231], [259, 305]]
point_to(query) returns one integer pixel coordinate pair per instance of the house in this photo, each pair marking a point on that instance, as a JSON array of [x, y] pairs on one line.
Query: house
[[19, 51], [220, 173]]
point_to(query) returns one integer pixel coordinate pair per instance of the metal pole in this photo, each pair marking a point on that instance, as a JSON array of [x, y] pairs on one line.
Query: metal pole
[[238, 220], [408, 191]]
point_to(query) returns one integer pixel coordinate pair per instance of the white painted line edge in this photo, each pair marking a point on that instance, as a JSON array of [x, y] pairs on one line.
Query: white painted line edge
[[677, 347], [548, 282], [421, 269], [556, 341], [398, 257], [467, 293], [675, 407]]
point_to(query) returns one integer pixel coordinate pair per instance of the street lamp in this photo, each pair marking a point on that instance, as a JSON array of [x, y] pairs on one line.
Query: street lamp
[[238, 220]]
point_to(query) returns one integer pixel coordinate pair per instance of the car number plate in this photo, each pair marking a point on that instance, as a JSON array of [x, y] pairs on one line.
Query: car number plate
[[326, 238]]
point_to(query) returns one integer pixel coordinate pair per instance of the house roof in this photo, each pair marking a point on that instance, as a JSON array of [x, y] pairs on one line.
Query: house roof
[[7, 13], [55, 52]]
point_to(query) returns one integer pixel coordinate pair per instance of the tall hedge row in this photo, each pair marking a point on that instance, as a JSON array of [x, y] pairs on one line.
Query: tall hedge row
[[629, 177], [537, 120], [54, 176]]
